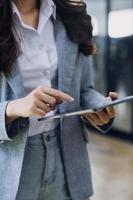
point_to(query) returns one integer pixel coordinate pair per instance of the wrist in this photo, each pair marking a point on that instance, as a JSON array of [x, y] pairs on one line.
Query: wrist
[[12, 109]]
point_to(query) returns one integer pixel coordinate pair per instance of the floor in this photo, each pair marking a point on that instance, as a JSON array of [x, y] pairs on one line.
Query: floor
[[112, 168]]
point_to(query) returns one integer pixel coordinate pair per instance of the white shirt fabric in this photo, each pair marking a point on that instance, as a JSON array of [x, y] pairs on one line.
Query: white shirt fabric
[[38, 60]]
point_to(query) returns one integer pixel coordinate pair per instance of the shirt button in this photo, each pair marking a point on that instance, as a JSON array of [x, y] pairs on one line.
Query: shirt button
[[43, 73], [46, 73], [41, 46]]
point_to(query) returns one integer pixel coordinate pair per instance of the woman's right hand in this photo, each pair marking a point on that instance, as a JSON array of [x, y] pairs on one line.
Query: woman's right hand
[[39, 102]]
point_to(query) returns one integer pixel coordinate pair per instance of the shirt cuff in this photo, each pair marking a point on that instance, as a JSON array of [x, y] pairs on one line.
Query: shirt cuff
[[3, 129]]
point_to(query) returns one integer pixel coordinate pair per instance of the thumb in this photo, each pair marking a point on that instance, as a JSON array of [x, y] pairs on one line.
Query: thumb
[[113, 95]]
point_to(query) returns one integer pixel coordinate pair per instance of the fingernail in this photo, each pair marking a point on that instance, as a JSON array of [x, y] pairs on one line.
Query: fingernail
[[71, 99], [108, 98]]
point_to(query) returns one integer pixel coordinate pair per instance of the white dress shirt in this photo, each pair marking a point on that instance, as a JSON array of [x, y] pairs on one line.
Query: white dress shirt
[[38, 59]]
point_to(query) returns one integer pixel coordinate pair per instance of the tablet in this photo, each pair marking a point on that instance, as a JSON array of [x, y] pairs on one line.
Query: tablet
[[94, 110]]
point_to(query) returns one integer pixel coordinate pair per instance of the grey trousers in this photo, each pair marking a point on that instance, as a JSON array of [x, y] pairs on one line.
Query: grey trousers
[[42, 176]]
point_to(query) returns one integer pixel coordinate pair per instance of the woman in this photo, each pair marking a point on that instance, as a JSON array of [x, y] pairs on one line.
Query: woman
[[45, 68]]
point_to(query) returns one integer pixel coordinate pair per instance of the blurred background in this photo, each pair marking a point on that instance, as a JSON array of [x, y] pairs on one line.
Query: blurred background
[[112, 154]]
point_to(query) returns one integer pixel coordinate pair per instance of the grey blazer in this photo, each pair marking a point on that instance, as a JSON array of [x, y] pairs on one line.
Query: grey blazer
[[75, 77]]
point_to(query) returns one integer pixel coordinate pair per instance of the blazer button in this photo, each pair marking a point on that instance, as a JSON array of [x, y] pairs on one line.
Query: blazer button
[[48, 138]]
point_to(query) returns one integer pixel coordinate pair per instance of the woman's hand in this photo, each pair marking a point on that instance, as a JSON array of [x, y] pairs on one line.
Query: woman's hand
[[103, 117], [39, 102]]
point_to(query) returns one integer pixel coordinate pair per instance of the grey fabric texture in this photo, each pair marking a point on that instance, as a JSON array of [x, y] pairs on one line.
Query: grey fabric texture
[[75, 77], [43, 174]]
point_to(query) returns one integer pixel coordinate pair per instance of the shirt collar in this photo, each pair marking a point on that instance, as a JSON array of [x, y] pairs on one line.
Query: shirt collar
[[49, 3], [44, 3]]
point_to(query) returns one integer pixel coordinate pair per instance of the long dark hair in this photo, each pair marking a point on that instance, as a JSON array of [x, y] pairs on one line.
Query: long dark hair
[[73, 15]]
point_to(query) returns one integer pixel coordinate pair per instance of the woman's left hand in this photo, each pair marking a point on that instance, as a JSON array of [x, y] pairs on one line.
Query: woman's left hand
[[103, 117]]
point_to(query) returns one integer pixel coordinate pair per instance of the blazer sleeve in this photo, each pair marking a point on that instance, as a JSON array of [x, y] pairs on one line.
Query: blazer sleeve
[[90, 98], [7, 132]]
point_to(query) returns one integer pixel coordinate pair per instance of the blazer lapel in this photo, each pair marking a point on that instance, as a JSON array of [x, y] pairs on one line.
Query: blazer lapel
[[67, 52], [14, 80]]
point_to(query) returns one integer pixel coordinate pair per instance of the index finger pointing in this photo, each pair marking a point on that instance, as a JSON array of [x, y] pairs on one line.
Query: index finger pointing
[[58, 94]]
